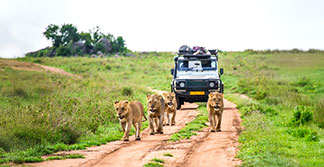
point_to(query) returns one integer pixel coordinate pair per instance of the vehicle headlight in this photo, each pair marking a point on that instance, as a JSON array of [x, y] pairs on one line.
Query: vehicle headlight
[[182, 84], [211, 84]]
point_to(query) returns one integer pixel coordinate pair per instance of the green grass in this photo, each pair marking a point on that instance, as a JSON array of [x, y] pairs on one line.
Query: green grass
[[194, 126], [153, 164], [70, 156], [55, 158], [43, 112], [168, 155], [283, 123], [73, 156], [157, 160]]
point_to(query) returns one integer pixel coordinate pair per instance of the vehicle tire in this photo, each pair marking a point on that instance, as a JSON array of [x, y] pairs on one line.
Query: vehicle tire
[[179, 103], [222, 88]]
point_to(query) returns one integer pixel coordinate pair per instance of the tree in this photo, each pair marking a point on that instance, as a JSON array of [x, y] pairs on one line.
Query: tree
[[66, 37], [52, 33], [62, 35], [86, 37], [121, 44], [69, 33]]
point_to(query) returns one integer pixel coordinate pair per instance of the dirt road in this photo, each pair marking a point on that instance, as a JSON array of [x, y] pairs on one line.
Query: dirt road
[[17, 65], [219, 149], [205, 149], [121, 153]]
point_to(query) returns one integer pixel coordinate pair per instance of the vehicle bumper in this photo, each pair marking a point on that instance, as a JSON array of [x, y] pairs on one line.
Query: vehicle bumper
[[185, 95]]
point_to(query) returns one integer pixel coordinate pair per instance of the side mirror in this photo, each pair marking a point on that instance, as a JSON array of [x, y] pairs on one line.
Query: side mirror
[[221, 71], [172, 71]]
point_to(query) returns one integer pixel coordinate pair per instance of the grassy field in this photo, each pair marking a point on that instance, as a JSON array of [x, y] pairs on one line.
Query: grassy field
[[284, 122], [42, 112]]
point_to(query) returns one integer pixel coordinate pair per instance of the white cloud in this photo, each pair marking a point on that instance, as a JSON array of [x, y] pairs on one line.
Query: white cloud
[[165, 25]]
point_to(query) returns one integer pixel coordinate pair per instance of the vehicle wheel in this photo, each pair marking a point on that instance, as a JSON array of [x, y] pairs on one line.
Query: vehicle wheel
[[179, 103], [222, 88]]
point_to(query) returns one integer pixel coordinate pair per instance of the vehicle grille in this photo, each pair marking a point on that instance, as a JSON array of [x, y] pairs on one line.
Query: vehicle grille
[[196, 83]]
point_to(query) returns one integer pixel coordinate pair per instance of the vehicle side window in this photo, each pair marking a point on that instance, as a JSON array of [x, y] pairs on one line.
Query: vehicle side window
[[206, 63], [183, 65]]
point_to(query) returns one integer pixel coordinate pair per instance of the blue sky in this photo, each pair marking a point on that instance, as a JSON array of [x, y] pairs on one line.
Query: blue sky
[[164, 25]]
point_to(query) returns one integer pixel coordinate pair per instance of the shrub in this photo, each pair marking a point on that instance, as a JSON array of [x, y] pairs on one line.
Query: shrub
[[301, 116], [108, 67], [127, 91], [17, 91], [63, 51], [100, 47], [252, 107], [303, 132], [303, 82], [260, 94]]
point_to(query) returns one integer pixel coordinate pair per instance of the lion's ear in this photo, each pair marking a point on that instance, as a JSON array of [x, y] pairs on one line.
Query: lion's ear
[[160, 97], [164, 94], [126, 102], [148, 97], [210, 94], [172, 93], [116, 102]]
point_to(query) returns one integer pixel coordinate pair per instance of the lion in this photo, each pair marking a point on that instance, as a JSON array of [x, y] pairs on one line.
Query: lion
[[130, 113], [170, 107], [155, 107], [215, 107]]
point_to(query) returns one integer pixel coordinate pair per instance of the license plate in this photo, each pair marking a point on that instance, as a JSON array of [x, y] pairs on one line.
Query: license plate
[[197, 93]]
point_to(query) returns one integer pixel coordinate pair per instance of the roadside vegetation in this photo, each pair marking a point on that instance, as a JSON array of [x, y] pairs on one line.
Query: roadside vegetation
[[284, 121], [42, 112]]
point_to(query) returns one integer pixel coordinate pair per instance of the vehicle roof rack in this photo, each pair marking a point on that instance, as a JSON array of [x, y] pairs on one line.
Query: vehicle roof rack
[[190, 53]]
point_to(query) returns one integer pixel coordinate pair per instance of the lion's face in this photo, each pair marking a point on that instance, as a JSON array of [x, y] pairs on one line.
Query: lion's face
[[153, 103], [121, 108], [169, 98], [216, 100]]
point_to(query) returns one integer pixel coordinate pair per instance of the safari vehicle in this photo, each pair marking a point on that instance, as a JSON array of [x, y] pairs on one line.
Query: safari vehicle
[[195, 75]]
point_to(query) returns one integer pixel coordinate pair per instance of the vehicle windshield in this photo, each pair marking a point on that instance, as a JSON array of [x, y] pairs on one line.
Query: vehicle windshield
[[193, 65]]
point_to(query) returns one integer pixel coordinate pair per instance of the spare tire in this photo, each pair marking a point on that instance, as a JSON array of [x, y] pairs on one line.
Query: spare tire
[[185, 49]]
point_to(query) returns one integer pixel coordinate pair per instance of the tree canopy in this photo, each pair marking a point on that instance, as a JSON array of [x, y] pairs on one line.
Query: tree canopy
[[67, 41]]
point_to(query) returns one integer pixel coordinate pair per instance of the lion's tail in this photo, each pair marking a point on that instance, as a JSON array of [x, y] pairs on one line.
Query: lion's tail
[[145, 119]]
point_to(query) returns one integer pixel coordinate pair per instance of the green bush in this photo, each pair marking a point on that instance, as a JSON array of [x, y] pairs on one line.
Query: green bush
[[303, 82], [253, 107], [127, 91], [260, 94], [108, 67], [18, 91], [63, 51], [305, 133], [99, 47], [301, 115]]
